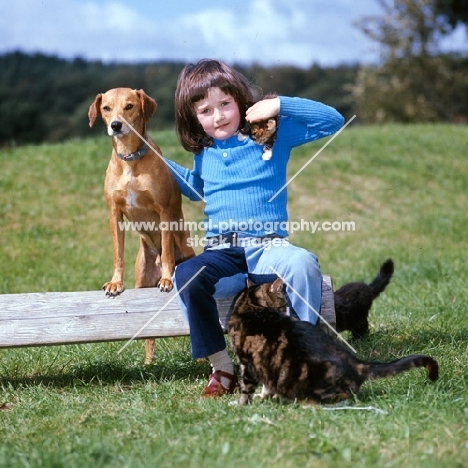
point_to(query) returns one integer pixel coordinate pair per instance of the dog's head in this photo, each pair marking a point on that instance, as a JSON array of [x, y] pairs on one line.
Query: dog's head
[[122, 108]]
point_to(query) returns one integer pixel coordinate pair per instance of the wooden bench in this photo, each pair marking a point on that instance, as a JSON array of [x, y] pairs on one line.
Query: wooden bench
[[58, 318]]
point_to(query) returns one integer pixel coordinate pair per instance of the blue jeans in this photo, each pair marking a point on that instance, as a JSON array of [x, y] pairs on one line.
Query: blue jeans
[[225, 274]]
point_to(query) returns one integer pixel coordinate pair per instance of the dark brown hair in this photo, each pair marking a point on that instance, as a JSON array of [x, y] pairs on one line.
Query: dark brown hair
[[192, 86]]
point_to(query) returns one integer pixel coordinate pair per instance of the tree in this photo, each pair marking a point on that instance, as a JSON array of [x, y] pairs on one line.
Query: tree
[[454, 11], [410, 82]]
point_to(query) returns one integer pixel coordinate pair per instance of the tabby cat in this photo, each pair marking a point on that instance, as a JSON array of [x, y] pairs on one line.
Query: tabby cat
[[294, 359], [354, 300], [264, 133]]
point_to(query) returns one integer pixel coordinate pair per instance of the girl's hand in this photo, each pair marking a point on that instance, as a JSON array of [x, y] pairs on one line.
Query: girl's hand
[[263, 110]]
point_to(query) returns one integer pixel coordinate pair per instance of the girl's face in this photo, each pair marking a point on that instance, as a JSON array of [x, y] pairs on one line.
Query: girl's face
[[218, 114]]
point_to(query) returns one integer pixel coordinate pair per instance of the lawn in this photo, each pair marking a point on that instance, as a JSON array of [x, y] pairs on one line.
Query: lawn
[[403, 188]]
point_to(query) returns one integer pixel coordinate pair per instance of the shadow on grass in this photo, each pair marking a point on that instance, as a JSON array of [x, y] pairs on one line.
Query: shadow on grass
[[101, 373], [381, 346]]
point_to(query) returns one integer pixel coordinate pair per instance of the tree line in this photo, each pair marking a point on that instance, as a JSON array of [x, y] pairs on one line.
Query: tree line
[[46, 98]]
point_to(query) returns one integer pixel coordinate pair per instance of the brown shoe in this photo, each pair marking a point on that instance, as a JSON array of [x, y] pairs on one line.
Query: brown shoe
[[215, 388]]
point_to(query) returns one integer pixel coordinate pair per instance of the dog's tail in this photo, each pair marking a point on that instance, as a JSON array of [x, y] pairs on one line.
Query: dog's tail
[[381, 281], [379, 370]]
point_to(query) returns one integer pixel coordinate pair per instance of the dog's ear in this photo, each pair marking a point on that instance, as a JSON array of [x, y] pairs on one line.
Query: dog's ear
[[94, 110], [148, 104]]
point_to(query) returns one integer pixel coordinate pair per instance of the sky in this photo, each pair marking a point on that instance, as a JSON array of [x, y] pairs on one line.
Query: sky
[[266, 32]]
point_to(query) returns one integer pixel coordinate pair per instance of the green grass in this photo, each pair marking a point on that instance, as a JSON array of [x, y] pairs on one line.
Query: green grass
[[404, 187]]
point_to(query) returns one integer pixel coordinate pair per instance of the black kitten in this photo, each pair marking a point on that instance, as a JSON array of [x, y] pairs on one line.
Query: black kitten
[[354, 300], [295, 359]]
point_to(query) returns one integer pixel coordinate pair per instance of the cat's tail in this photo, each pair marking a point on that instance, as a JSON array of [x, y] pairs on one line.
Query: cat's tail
[[380, 282], [376, 371]]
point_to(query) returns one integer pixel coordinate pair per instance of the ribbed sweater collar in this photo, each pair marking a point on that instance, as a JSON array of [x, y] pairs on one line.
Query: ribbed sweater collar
[[236, 140]]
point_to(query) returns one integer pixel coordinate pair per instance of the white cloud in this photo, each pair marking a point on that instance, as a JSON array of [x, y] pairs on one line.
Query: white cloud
[[289, 31], [267, 32], [298, 32]]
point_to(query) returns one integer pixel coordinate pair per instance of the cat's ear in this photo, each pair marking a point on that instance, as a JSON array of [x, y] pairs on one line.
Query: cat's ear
[[277, 286], [249, 283], [271, 124]]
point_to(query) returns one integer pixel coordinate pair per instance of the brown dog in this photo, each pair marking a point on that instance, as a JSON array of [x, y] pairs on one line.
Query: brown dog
[[140, 186]]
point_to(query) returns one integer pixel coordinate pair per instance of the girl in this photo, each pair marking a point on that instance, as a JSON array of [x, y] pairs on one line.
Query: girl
[[246, 216]]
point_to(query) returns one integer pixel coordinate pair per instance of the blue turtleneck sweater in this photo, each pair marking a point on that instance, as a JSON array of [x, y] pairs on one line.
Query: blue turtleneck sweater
[[237, 184]]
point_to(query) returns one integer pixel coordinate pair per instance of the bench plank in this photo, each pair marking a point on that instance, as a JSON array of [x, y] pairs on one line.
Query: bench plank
[[55, 318]]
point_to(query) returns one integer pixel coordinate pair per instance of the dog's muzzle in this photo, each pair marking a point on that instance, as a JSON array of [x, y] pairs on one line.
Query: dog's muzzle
[[116, 126]]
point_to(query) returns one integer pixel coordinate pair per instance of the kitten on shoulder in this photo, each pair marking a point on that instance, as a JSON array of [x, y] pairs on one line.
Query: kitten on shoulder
[[263, 133]]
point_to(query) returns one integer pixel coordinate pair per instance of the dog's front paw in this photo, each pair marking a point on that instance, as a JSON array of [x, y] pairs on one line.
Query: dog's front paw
[[165, 285], [113, 288]]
